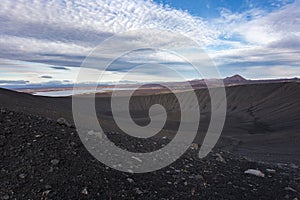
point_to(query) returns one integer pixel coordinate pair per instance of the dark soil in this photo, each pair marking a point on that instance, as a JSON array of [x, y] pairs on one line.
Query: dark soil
[[41, 159]]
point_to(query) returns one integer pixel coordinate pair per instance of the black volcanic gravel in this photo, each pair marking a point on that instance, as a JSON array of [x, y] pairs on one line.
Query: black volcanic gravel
[[43, 160]]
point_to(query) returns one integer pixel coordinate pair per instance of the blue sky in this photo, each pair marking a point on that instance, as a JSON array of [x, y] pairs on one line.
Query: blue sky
[[45, 42], [211, 9]]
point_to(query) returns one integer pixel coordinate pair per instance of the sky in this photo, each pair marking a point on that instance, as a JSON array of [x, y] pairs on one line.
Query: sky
[[44, 42]]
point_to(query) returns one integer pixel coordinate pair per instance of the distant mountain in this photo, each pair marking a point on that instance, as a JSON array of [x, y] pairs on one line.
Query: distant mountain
[[235, 79]]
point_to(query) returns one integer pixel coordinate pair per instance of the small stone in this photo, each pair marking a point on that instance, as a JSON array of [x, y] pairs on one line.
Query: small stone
[[130, 180], [199, 177], [5, 197], [2, 143], [294, 166], [193, 191], [45, 195], [54, 162], [138, 191], [255, 172], [271, 171], [185, 183], [97, 134], [73, 144], [3, 111], [220, 158], [48, 187], [194, 146], [63, 121], [51, 169], [290, 189], [136, 158], [85, 191], [22, 176]]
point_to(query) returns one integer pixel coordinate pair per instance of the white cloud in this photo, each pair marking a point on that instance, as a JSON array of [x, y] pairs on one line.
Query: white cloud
[[101, 17], [262, 41], [272, 72], [63, 32]]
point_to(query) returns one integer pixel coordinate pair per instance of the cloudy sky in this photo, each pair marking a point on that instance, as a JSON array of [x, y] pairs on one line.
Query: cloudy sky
[[45, 41]]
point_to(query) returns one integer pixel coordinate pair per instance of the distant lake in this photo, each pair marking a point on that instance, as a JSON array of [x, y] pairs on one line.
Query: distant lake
[[65, 93]]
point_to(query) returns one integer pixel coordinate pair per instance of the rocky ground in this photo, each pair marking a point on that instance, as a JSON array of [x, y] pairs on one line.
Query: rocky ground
[[43, 159]]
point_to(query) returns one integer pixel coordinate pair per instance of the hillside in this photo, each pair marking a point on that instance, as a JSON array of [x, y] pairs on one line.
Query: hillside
[[263, 120], [41, 159]]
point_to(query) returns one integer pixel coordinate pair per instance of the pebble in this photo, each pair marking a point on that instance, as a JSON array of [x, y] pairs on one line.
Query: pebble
[[54, 162], [271, 171], [45, 195], [3, 111], [199, 177], [63, 121], [220, 158], [95, 133], [136, 158], [138, 191], [85, 191], [194, 146], [130, 180], [294, 166], [5, 197], [22, 176], [255, 172], [48, 187], [290, 189]]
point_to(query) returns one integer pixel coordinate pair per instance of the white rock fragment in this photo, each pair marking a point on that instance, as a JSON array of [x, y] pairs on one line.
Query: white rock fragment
[[294, 166], [220, 158], [22, 176], [95, 133], [130, 180], [45, 194], [194, 146], [255, 172], [85, 191], [63, 121], [138, 191], [5, 197], [54, 162], [136, 158], [271, 171], [290, 189]]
